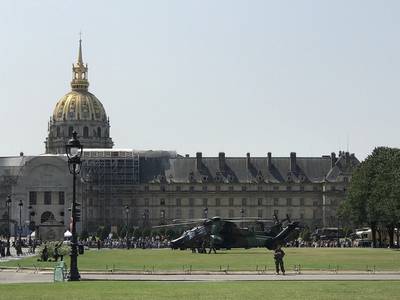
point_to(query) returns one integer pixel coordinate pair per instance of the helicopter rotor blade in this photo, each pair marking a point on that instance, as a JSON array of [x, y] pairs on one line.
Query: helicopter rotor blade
[[188, 220], [175, 225]]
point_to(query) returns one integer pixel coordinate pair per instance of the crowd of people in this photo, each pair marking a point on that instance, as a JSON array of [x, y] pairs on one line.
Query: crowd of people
[[341, 243], [143, 242]]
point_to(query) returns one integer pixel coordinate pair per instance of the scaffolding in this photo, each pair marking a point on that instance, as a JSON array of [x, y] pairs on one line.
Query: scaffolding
[[108, 176]]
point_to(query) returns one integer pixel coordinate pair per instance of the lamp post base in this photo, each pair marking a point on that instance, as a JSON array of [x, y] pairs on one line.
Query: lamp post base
[[74, 273], [74, 277]]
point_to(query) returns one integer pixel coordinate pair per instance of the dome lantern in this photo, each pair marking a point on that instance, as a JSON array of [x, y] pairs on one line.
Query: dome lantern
[[79, 72]]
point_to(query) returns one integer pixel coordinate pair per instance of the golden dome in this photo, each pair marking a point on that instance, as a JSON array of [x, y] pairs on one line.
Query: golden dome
[[79, 105]]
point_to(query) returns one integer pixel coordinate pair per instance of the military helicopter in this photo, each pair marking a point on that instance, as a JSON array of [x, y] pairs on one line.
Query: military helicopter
[[217, 233]]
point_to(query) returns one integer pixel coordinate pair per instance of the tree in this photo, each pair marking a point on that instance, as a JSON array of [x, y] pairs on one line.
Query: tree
[[373, 197]]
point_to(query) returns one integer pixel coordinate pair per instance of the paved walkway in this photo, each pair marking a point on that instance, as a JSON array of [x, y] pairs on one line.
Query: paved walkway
[[31, 277]]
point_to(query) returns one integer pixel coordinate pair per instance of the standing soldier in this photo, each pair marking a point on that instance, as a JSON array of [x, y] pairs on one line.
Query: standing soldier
[[278, 257]]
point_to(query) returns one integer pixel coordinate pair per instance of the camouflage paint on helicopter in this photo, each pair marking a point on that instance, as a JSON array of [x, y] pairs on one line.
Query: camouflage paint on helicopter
[[217, 233]]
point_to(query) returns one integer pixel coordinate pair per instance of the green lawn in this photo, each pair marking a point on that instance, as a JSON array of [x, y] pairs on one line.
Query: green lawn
[[238, 259], [203, 290]]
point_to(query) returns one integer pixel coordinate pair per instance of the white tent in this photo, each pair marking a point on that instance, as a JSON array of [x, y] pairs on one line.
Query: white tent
[[67, 234]]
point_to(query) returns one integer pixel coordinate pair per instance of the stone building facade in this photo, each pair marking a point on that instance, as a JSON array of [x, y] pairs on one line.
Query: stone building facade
[[160, 186]]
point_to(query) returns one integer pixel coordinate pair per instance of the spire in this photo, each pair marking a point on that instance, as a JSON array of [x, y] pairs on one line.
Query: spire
[[79, 72], [80, 60]]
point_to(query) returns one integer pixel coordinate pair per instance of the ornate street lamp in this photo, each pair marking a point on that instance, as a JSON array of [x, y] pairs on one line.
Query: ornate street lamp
[[8, 204], [127, 225], [144, 219], [19, 249], [242, 213], [206, 213], [74, 151]]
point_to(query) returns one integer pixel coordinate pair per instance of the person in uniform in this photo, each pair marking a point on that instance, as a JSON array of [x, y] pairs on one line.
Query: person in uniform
[[278, 257]]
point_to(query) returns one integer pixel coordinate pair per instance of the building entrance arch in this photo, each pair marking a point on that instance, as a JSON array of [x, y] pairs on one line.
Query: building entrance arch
[[46, 216]]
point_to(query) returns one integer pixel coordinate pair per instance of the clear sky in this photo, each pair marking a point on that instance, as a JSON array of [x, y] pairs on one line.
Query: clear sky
[[235, 76]]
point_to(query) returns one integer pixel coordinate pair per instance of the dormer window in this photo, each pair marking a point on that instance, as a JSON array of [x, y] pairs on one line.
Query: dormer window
[[191, 177]]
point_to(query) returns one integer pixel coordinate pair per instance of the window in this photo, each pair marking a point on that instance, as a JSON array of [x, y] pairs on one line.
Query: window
[[70, 131], [315, 188], [178, 188], [301, 216], [230, 201], [301, 201], [98, 132], [217, 188], [178, 213], [276, 188], [244, 201], [244, 188], [61, 198], [146, 202], [315, 203], [260, 188], [58, 131], [191, 213], [146, 188], [259, 201], [90, 202], [276, 212], [314, 215], [230, 188], [276, 201], [191, 188], [289, 201], [231, 214], [260, 213], [205, 202], [204, 188], [32, 198], [178, 202], [333, 188], [191, 202], [217, 202], [302, 188], [162, 188], [47, 198], [162, 202], [289, 188], [162, 214], [85, 132]]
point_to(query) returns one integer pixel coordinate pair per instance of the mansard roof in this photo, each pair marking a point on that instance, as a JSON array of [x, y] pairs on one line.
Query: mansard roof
[[245, 169]]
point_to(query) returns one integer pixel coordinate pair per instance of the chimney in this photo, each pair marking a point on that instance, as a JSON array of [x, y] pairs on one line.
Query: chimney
[[221, 157], [199, 161], [269, 161], [186, 155], [292, 162], [333, 159], [248, 160]]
